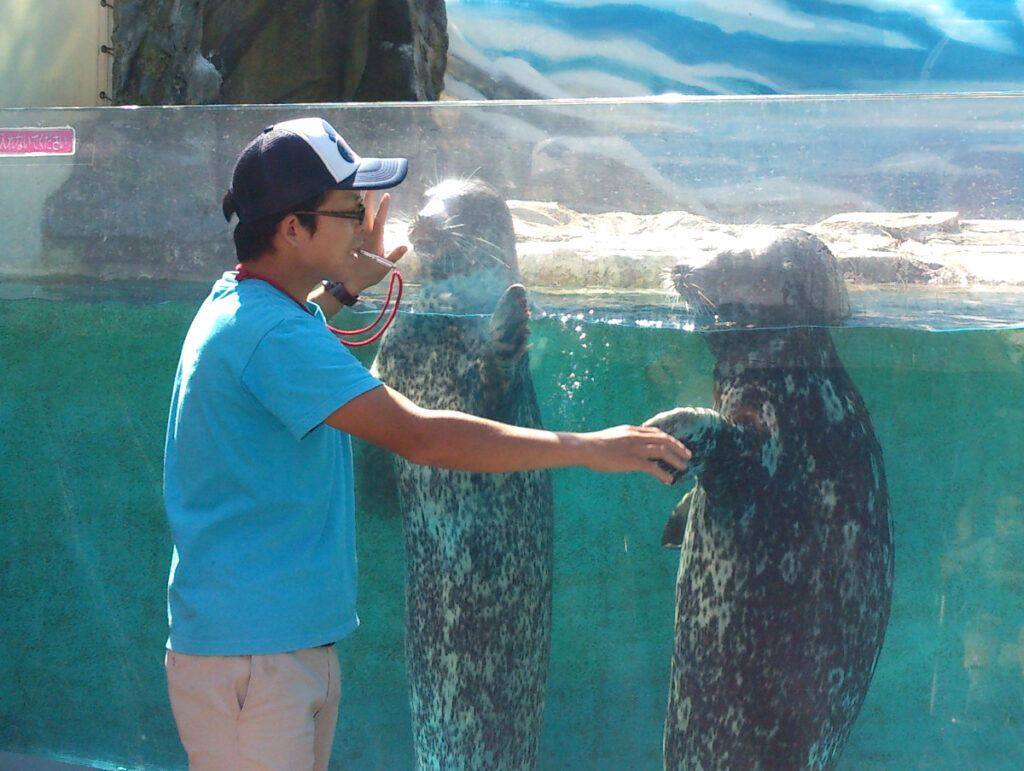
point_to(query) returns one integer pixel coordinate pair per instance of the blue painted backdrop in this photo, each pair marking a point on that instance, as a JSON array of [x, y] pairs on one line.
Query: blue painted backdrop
[[590, 48]]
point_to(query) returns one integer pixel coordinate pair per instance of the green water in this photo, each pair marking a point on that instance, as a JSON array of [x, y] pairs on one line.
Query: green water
[[84, 550]]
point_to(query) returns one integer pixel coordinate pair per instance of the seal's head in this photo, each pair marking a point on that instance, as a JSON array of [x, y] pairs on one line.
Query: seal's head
[[466, 245], [793, 279]]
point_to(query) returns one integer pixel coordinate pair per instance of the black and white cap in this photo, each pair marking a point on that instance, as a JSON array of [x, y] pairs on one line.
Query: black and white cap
[[295, 160]]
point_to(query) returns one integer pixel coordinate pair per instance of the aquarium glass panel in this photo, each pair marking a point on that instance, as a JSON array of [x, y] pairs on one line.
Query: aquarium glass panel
[[831, 288]]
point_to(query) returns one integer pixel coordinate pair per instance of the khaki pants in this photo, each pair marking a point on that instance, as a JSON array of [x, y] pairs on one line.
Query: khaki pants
[[256, 713]]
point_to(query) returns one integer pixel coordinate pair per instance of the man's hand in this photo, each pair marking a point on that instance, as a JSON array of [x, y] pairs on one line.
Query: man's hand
[[637, 448], [373, 225]]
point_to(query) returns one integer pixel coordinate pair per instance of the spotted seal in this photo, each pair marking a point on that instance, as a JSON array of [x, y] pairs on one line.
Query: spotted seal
[[478, 546], [786, 565]]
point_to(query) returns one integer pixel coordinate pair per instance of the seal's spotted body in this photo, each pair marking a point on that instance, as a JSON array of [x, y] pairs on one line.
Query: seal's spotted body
[[478, 546], [786, 565]]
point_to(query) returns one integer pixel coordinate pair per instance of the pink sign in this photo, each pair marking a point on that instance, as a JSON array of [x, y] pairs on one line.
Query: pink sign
[[37, 141]]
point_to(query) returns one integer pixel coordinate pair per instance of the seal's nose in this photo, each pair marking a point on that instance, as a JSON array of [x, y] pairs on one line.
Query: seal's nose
[[681, 275], [419, 229]]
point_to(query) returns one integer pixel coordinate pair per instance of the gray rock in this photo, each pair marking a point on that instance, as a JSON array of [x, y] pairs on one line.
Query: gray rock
[[258, 51], [155, 47]]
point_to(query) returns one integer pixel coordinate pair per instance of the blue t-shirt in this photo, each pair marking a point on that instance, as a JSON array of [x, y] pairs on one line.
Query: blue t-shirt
[[258, 490]]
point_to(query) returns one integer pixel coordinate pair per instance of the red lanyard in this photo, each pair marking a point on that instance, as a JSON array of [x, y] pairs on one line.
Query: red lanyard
[[396, 280]]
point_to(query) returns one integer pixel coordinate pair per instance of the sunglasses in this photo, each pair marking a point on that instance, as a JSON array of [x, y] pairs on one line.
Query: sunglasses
[[359, 215]]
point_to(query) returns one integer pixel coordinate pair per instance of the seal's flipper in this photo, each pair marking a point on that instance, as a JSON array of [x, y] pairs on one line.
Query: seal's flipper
[[510, 324], [698, 428], [500, 369], [675, 528]]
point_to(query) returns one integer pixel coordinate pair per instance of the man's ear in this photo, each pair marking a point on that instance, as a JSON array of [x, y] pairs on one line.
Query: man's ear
[[291, 230]]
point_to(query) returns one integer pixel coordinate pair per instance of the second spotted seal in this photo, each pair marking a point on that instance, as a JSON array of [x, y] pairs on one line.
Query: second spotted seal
[[478, 546], [786, 566]]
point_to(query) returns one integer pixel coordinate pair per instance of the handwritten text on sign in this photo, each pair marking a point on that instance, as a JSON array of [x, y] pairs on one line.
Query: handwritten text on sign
[[37, 141]]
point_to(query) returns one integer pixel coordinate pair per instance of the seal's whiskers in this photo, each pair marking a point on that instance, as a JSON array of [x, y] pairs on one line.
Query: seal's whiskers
[[695, 298]]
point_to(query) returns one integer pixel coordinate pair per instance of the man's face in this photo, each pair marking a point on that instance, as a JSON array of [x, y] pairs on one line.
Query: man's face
[[337, 238]]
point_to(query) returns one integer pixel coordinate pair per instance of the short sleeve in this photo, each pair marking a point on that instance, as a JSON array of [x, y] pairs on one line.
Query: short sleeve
[[301, 374]]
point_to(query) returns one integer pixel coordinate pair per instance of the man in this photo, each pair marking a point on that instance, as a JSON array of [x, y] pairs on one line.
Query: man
[[258, 466]]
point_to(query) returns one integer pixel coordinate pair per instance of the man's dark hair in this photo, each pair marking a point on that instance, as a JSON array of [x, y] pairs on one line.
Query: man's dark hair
[[254, 238]]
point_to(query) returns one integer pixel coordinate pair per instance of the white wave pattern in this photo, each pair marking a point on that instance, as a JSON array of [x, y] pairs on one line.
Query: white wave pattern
[[776, 21], [481, 32], [953, 23], [624, 65], [765, 19]]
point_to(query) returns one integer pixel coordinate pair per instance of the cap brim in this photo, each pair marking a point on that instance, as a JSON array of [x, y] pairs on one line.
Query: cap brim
[[376, 174]]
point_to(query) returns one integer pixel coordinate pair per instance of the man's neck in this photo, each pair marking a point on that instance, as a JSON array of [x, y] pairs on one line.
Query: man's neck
[[282, 273]]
